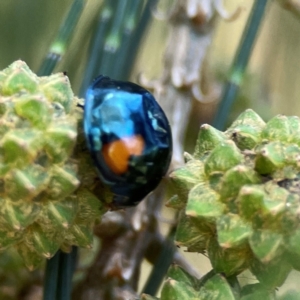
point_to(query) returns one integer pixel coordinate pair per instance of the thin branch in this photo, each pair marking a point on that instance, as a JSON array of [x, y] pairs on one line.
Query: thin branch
[[59, 45], [51, 275], [240, 63]]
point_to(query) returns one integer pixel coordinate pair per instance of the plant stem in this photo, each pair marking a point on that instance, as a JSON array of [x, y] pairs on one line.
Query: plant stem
[[67, 264], [96, 47], [51, 275], [240, 63], [58, 47], [58, 276], [117, 38], [131, 22], [138, 35], [113, 40], [162, 265]]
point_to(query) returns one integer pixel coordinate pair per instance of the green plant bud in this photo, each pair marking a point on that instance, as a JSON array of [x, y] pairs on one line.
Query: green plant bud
[[243, 209], [277, 129], [31, 258], [60, 140], [222, 158], [175, 290], [179, 274], [26, 184], [44, 242], [19, 78], [191, 236], [35, 109], [59, 215], [272, 274], [82, 235], [186, 178], [245, 137], [208, 139], [250, 200], [57, 89], [204, 202], [266, 245], [257, 291], [18, 215], [272, 207], [229, 261], [47, 183], [275, 202], [62, 183], [245, 131], [270, 158], [232, 230], [216, 287], [249, 118], [20, 147], [235, 178]]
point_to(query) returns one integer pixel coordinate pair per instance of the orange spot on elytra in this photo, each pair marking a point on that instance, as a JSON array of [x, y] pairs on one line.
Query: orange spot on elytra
[[117, 153]]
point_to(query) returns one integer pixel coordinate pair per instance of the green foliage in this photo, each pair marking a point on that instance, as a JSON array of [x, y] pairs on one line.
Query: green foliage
[[44, 205], [238, 197], [182, 286]]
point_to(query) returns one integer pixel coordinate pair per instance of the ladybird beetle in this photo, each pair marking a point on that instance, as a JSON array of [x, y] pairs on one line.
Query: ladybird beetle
[[129, 138]]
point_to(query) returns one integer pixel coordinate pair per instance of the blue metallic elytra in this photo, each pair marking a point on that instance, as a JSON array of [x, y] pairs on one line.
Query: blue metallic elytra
[[129, 138]]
